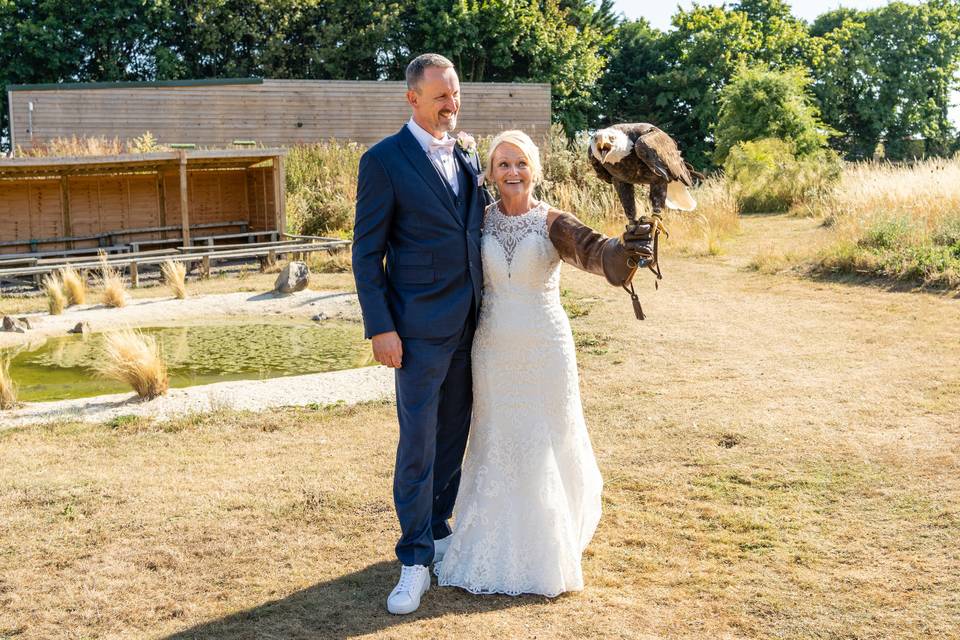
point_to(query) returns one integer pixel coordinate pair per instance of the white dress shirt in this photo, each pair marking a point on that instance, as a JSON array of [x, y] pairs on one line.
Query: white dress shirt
[[441, 158]]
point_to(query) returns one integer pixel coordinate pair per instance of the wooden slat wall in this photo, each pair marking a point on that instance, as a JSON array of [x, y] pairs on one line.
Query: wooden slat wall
[[274, 113], [260, 190], [32, 208]]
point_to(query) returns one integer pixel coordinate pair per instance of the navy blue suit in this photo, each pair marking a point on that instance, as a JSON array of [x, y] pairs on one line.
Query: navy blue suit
[[416, 261]]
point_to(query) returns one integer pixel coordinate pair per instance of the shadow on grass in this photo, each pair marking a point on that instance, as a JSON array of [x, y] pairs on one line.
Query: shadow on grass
[[345, 607], [879, 282]]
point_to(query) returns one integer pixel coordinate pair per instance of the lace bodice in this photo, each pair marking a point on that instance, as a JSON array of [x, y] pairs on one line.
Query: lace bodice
[[518, 256]]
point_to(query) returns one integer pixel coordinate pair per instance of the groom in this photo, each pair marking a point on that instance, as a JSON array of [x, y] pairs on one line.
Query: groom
[[420, 202]]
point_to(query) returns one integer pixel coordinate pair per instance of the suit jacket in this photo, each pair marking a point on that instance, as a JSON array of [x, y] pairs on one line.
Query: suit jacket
[[416, 262]]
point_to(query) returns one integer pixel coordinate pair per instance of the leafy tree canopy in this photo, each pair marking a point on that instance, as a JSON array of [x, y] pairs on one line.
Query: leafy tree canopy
[[759, 103]]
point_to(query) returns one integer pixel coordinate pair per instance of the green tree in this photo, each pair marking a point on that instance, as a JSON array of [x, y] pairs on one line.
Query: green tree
[[760, 103], [705, 49], [885, 75], [509, 41], [66, 41], [628, 90]]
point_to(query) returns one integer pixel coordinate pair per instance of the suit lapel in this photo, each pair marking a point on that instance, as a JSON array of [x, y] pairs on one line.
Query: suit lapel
[[414, 152], [471, 175]]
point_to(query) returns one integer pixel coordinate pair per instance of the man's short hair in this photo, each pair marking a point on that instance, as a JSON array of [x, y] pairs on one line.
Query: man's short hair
[[419, 64]]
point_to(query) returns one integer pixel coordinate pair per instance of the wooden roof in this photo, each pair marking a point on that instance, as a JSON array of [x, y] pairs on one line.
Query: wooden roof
[[133, 162]]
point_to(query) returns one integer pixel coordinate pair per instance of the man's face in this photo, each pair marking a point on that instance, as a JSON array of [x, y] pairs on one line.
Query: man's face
[[436, 100]]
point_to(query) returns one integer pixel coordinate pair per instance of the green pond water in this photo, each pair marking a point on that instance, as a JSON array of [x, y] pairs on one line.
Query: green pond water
[[203, 354]]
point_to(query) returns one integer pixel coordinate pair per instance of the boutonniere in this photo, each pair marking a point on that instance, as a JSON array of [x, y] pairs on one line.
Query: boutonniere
[[467, 143]]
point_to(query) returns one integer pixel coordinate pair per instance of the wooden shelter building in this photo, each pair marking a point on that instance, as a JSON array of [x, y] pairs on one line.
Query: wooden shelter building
[[68, 205]]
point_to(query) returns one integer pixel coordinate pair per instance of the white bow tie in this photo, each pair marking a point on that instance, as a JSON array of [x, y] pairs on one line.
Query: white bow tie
[[445, 146]]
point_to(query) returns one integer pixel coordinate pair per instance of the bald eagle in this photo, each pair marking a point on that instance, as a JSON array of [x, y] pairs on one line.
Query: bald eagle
[[640, 153]]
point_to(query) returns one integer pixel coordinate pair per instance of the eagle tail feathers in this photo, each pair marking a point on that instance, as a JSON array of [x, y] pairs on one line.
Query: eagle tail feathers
[[679, 197]]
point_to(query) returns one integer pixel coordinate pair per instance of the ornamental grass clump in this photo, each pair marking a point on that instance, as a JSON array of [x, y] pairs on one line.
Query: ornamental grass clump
[[73, 285], [897, 222], [133, 358], [8, 388], [53, 288], [111, 284], [175, 275]]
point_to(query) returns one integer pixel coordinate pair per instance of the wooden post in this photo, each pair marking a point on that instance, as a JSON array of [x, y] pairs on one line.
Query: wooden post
[[205, 268], [134, 275], [184, 212], [65, 207], [161, 201], [280, 189]]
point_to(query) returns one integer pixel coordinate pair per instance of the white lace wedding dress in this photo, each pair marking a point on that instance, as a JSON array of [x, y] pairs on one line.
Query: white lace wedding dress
[[529, 498]]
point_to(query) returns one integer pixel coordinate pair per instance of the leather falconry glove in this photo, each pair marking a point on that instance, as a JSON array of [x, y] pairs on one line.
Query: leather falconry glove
[[616, 259]]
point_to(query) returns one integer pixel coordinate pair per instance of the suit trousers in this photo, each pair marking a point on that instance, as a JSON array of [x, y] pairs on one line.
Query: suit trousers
[[434, 403]]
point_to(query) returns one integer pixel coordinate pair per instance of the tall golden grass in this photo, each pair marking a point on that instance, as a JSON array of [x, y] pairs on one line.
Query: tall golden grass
[[322, 186], [897, 222], [92, 146], [73, 285], [53, 289], [8, 388], [175, 275], [336, 261], [133, 358], [111, 284]]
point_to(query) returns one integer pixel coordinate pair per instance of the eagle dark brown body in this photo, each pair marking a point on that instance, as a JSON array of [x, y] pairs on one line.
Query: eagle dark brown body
[[640, 153]]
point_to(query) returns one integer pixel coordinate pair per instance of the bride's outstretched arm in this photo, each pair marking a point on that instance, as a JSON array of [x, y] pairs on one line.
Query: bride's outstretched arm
[[592, 251]]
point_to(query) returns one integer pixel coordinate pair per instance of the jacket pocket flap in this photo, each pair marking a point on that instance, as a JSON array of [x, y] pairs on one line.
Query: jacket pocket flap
[[414, 276], [414, 258]]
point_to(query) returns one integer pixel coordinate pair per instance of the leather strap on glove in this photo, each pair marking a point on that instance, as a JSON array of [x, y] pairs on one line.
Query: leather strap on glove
[[616, 259]]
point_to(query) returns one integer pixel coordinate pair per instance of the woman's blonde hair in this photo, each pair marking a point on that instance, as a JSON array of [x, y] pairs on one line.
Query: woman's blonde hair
[[523, 142]]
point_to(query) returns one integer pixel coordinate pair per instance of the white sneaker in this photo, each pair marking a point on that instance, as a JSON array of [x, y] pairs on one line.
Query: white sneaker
[[405, 597], [440, 548]]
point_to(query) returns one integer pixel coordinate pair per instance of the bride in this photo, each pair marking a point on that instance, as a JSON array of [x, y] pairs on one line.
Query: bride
[[529, 498]]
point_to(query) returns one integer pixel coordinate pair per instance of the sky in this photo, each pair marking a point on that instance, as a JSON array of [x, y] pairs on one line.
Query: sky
[[659, 13]]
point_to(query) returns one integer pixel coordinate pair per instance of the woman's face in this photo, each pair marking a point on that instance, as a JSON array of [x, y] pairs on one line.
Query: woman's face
[[511, 171]]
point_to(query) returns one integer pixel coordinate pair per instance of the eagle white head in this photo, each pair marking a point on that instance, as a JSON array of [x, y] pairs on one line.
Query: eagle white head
[[610, 145]]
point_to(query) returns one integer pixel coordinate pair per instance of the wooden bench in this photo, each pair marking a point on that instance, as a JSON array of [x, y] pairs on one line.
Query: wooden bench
[[249, 235], [133, 262]]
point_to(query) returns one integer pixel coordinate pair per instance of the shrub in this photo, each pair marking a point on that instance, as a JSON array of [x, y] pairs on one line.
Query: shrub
[[175, 275], [322, 187], [53, 288], [74, 285], [766, 176], [135, 359], [759, 103], [8, 388]]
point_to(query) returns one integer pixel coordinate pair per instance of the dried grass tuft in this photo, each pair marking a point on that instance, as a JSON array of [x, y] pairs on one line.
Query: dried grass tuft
[[175, 275], [134, 358], [53, 288], [336, 261], [73, 285], [111, 284], [8, 388]]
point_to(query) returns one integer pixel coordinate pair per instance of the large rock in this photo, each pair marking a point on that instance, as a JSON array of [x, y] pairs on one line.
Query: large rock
[[82, 328], [293, 277], [16, 325]]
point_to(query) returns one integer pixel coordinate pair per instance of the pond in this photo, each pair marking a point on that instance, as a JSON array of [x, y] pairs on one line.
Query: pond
[[195, 354]]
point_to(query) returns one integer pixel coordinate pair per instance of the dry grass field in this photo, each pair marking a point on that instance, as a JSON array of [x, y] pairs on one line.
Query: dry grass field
[[780, 460]]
